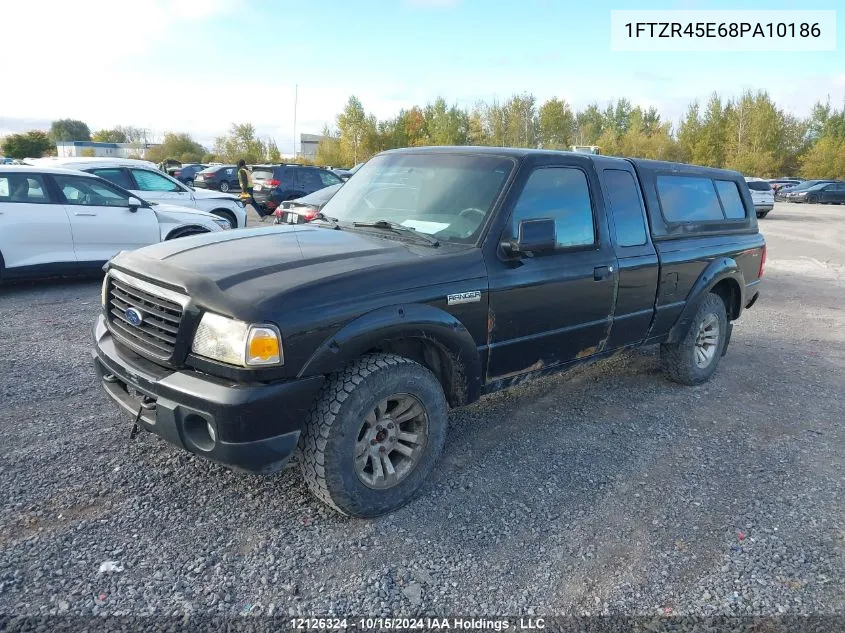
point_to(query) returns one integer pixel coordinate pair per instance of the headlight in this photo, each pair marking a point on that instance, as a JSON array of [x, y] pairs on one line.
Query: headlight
[[223, 223], [237, 343]]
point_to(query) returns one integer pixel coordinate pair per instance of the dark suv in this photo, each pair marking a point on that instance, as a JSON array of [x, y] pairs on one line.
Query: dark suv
[[275, 184], [221, 177], [186, 173]]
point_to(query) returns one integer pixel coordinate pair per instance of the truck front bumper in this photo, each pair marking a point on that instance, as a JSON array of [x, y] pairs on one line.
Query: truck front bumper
[[251, 427]]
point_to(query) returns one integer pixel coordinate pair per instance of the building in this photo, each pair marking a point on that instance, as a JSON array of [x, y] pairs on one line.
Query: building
[[72, 149], [308, 145]]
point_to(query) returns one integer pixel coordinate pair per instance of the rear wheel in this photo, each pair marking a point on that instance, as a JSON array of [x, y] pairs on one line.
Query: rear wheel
[[694, 358], [374, 435], [224, 186]]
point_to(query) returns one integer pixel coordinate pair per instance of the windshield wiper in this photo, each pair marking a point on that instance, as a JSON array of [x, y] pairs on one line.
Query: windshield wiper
[[333, 221], [398, 228]]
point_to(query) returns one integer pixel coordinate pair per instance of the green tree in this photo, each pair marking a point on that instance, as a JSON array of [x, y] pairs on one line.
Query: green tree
[[825, 159], [69, 130], [555, 125], [477, 126], [446, 125], [176, 146], [358, 132], [109, 136], [241, 142], [710, 150], [521, 121], [273, 153], [32, 144], [329, 150], [689, 133], [589, 125]]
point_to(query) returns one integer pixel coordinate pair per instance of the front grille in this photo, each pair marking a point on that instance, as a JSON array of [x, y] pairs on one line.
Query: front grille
[[160, 311]]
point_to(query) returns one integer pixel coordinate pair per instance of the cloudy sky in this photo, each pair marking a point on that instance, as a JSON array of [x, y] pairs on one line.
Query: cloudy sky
[[200, 65]]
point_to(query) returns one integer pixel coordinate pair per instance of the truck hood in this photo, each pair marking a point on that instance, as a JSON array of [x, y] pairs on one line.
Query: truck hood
[[246, 273]]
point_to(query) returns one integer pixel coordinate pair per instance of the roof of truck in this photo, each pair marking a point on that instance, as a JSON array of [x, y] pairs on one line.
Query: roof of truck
[[599, 159]]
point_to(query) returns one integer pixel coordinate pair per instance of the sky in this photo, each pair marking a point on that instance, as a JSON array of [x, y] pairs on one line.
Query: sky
[[198, 66]]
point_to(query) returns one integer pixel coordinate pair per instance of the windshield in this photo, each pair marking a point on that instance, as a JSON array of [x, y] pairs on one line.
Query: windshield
[[446, 195]]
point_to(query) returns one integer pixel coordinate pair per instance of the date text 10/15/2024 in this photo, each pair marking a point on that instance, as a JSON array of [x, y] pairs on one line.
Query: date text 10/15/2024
[[418, 624]]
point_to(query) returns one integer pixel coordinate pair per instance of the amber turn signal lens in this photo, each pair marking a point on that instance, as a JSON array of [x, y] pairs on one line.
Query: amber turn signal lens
[[263, 347]]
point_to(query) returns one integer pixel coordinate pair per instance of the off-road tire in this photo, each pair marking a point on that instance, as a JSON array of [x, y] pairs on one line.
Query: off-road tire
[[678, 358], [326, 447]]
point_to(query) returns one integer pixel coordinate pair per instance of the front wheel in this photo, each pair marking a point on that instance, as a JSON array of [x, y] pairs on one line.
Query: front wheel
[[224, 187], [374, 435], [694, 358]]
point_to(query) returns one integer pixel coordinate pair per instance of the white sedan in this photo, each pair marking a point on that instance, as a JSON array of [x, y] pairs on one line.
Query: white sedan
[[143, 179], [61, 221]]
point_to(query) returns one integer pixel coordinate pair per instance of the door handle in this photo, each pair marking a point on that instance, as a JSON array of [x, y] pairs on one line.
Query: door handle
[[83, 213], [602, 272]]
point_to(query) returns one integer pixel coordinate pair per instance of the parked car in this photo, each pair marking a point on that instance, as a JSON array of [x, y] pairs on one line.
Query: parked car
[[821, 193], [62, 222], [221, 177], [186, 173], [783, 192], [762, 196], [482, 268], [153, 185], [304, 209], [275, 184], [778, 183]]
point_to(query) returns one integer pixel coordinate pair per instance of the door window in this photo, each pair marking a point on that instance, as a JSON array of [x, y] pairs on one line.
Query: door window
[[309, 180], [151, 181], [90, 192], [623, 197], [561, 194], [23, 188], [117, 175], [329, 178]]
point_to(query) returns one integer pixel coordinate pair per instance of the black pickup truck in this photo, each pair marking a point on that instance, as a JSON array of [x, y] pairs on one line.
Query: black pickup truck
[[434, 276]]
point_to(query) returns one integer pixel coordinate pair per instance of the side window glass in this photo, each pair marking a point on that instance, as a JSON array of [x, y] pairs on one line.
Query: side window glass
[[23, 188], [688, 199], [151, 181], [90, 192], [329, 178], [116, 175], [626, 207], [561, 194], [731, 200]]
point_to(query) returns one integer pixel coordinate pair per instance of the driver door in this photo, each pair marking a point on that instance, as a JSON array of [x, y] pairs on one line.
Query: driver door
[[101, 221]]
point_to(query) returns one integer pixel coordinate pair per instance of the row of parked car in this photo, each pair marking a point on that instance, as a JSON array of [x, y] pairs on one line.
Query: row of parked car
[[64, 215], [765, 192]]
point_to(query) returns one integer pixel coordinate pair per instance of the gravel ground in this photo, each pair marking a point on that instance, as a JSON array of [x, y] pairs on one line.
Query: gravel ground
[[606, 491]]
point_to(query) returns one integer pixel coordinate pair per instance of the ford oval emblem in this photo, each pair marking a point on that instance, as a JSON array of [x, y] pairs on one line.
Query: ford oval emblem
[[134, 317]]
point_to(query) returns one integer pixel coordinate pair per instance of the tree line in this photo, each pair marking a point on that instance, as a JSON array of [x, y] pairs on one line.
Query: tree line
[[749, 133]]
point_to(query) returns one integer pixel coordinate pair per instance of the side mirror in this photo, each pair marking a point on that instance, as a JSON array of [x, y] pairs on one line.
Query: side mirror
[[534, 236], [134, 204]]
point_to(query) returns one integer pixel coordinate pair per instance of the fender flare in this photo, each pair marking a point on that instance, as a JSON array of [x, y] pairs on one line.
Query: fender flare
[[403, 321], [718, 270]]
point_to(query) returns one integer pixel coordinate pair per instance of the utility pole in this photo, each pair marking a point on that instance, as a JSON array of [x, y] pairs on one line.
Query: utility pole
[[295, 101]]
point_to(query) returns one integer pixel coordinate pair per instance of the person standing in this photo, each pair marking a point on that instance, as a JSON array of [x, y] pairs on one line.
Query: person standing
[[245, 183]]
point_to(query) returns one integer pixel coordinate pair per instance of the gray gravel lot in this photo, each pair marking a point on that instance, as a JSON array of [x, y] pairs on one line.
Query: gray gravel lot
[[609, 490]]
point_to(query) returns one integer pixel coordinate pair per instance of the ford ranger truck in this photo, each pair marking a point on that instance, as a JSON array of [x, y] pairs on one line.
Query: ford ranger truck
[[435, 276]]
